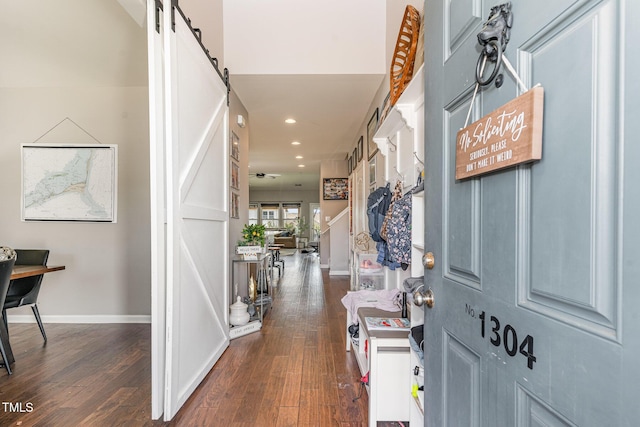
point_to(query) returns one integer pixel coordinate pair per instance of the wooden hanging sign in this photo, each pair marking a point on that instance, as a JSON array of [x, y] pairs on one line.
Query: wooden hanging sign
[[510, 135]]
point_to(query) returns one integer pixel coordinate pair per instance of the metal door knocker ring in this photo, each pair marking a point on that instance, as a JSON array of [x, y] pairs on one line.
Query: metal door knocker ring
[[489, 54], [494, 38]]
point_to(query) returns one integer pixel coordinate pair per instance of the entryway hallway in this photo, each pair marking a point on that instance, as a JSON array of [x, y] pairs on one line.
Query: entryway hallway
[[294, 372]]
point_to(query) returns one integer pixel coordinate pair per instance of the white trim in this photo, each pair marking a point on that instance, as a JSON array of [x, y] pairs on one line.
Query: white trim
[[103, 318], [324, 265], [339, 273], [337, 217]]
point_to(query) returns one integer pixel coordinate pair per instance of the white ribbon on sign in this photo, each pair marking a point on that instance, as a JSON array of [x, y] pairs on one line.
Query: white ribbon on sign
[[511, 70]]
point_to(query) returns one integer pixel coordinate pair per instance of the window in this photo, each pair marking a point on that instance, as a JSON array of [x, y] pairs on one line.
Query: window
[[316, 223], [253, 214], [291, 213], [275, 215], [270, 217]]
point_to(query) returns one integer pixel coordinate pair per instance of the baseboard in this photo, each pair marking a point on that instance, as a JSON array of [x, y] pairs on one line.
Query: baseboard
[[324, 265], [338, 273], [106, 318]]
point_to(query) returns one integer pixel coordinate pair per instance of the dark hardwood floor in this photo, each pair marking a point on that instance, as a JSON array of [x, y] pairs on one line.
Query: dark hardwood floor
[[294, 372]]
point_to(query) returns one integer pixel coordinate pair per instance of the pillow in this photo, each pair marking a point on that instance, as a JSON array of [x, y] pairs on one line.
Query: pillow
[[284, 234]]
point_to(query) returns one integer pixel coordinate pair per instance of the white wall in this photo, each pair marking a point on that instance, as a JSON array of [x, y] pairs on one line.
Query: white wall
[[339, 241], [330, 208], [394, 14], [85, 60], [107, 264], [315, 45], [236, 224], [208, 17]]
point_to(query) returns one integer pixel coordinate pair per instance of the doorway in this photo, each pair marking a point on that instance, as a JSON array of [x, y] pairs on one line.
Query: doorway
[[314, 209]]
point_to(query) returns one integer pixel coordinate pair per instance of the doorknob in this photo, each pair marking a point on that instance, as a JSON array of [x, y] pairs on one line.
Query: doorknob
[[428, 260], [427, 297]]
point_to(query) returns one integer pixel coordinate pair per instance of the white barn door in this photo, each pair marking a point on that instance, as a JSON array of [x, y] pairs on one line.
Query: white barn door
[[195, 194], [158, 217]]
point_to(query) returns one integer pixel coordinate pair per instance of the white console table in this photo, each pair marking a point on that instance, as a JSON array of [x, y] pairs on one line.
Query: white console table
[[386, 358]]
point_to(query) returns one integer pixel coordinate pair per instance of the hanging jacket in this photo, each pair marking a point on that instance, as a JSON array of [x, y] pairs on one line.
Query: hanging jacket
[[399, 231], [377, 205], [397, 195]]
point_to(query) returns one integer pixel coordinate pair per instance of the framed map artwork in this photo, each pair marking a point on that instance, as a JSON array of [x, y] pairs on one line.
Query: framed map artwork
[[63, 182]]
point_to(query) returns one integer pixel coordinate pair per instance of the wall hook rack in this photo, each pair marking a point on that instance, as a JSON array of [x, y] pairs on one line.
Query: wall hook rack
[[418, 158], [400, 176], [392, 144]]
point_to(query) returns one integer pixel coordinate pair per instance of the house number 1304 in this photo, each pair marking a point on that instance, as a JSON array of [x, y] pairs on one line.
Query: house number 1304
[[508, 338]]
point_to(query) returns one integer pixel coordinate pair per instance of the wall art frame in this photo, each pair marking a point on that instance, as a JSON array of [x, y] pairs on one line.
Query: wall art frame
[[69, 182], [235, 176], [372, 125], [335, 188], [234, 209], [372, 171], [234, 146]]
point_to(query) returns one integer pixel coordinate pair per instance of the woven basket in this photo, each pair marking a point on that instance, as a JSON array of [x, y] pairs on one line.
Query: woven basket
[[405, 53]]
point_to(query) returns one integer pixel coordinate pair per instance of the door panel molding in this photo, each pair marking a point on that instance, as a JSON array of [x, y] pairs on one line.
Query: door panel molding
[[461, 205], [531, 411], [206, 167], [583, 289], [461, 373], [460, 21]]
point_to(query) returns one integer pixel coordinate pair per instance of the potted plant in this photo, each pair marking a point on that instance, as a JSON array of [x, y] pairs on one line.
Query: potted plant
[[301, 226], [252, 241]]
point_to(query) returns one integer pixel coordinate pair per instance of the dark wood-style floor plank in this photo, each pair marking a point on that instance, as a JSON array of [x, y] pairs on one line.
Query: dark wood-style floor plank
[[294, 372]]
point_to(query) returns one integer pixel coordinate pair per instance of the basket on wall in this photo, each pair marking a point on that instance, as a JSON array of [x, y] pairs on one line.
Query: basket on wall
[[404, 54]]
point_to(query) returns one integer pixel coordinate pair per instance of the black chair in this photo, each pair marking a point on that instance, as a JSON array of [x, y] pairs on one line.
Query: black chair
[[6, 266], [25, 291]]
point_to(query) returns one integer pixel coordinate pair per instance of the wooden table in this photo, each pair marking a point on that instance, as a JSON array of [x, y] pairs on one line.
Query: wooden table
[[19, 272]]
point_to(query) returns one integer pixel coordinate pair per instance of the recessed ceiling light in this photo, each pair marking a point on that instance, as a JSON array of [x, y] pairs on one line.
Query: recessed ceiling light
[[295, 143], [290, 121], [299, 157], [300, 166]]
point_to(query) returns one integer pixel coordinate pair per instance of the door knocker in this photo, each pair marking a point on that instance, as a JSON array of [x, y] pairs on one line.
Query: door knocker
[[494, 38]]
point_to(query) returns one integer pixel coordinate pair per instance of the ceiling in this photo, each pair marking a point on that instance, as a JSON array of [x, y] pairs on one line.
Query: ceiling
[[328, 109], [325, 76], [321, 63]]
